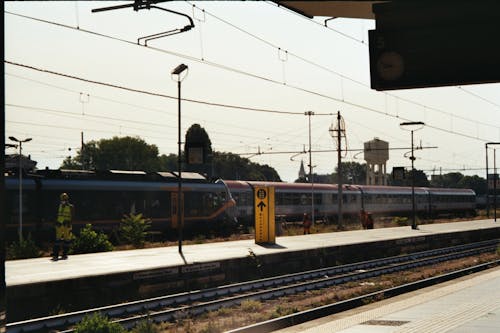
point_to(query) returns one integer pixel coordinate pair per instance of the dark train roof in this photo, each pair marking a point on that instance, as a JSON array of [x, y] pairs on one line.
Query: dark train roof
[[164, 176]]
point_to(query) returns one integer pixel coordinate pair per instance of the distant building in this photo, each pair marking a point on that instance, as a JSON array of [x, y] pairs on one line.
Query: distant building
[[302, 170], [12, 163], [376, 154]]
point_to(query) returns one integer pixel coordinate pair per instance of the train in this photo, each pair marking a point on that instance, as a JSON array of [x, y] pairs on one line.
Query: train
[[102, 198], [294, 199]]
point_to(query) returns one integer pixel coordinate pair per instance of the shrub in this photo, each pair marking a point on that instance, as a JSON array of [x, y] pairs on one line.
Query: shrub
[[90, 241], [133, 229], [251, 305], [146, 326], [26, 248], [98, 323], [400, 221]]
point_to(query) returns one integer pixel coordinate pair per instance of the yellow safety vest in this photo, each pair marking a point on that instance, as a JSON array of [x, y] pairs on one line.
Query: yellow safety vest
[[64, 214]]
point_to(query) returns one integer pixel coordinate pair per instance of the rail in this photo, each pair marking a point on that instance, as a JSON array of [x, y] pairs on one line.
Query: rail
[[193, 303]]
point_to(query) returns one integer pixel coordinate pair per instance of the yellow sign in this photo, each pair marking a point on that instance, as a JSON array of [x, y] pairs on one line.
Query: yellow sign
[[264, 215]]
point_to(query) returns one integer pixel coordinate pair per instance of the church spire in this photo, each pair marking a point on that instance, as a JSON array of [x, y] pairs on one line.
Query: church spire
[[302, 171]]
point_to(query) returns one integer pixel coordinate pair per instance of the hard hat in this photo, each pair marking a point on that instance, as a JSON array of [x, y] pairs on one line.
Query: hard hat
[[64, 196]]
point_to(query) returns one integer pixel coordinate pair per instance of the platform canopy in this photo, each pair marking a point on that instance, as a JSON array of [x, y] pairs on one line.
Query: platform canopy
[[351, 9], [422, 43]]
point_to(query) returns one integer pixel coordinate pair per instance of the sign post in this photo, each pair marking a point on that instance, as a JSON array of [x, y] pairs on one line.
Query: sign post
[[265, 228]]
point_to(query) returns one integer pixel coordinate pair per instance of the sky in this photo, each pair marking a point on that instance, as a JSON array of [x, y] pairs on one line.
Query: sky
[[255, 69]]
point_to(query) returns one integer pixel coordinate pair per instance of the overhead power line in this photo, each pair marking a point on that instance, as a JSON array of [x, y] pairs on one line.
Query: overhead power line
[[235, 106], [366, 44], [155, 94], [263, 78], [342, 76]]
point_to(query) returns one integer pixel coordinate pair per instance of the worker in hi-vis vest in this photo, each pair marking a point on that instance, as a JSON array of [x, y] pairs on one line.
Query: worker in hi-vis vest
[[63, 227]]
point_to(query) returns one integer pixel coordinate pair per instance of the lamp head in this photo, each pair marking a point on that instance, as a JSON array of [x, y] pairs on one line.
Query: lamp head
[[412, 125], [176, 73], [179, 69]]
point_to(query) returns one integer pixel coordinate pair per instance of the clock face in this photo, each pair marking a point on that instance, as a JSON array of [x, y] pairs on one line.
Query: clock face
[[390, 66]]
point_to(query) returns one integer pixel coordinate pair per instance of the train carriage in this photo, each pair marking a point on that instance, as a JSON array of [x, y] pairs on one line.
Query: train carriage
[[451, 201], [103, 198], [391, 200]]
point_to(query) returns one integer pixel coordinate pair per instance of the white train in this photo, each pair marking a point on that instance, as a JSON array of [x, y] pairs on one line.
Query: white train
[[294, 199]]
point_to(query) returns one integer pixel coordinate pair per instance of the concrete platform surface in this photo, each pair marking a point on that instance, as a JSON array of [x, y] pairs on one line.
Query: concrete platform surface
[[470, 304], [19, 272]]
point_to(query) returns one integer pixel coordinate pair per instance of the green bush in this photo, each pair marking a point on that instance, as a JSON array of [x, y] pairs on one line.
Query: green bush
[[133, 229], [26, 248], [400, 221], [98, 323], [90, 241]]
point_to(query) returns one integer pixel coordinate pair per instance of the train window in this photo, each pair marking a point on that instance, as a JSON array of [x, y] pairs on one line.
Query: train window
[[318, 199], [279, 198], [304, 200]]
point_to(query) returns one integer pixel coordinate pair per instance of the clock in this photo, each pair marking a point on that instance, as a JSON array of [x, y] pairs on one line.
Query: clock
[[390, 66]]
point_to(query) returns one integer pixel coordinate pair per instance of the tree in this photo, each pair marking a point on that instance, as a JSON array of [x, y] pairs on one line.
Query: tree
[[130, 153], [232, 166], [449, 180], [126, 153], [476, 183], [420, 179], [168, 162], [197, 144], [352, 173]]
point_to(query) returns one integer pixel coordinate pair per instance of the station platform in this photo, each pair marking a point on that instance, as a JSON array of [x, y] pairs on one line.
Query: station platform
[[468, 304], [89, 280]]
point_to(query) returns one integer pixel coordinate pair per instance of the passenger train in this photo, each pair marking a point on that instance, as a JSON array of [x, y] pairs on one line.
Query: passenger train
[[294, 199], [101, 198]]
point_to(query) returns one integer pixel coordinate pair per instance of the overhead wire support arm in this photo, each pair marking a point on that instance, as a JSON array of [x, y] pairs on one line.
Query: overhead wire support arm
[[137, 5], [141, 4], [304, 151]]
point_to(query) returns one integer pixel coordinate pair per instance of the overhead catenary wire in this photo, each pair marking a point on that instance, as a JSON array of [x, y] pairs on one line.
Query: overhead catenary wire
[[342, 76], [235, 106], [361, 41], [452, 132], [255, 154], [272, 81]]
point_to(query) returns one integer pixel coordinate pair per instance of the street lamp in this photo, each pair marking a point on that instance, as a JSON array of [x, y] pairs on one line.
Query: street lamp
[[20, 184], [311, 179], [495, 176], [412, 126], [176, 76]]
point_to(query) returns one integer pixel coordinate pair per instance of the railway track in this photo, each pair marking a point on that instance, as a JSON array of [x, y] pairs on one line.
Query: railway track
[[194, 303]]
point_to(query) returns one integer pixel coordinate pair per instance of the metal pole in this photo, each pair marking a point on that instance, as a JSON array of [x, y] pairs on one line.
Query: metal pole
[[20, 194], [339, 170], [413, 222], [495, 176], [180, 211], [310, 113], [487, 186]]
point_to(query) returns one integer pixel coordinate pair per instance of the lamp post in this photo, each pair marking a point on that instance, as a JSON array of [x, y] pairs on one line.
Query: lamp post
[[494, 182], [176, 75], [412, 126], [20, 184], [311, 179]]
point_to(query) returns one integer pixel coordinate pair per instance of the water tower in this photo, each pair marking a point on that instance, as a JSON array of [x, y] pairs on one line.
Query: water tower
[[376, 156]]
